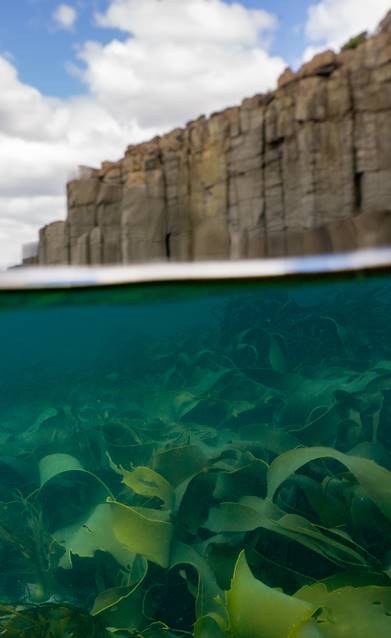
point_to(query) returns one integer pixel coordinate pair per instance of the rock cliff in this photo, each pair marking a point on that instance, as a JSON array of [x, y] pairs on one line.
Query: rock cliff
[[306, 168]]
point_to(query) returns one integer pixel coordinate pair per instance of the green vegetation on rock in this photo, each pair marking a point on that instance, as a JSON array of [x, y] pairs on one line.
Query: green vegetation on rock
[[355, 42]]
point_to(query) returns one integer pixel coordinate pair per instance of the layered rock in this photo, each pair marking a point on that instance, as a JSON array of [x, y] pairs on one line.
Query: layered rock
[[306, 168]]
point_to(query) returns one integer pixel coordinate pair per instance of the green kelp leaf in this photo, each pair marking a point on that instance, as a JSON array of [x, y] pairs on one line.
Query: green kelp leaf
[[193, 499], [252, 513], [278, 357], [308, 395], [174, 405], [250, 479], [330, 510], [236, 408], [208, 410], [273, 380], [143, 531], [340, 331], [321, 427], [258, 611], [161, 630], [67, 490], [47, 413], [374, 479], [334, 544], [147, 482], [179, 463], [95, 533], [209, 627], [347, 612], [272, 560], [209, 595], [270, 439], [123, 606], [208, 380], [355, 579], [221, 552], [31, 438], [246, 354], [374, 451], [211, 613], [379, 383], [184, 402], [369, 524], [55, 464], [312, 394]]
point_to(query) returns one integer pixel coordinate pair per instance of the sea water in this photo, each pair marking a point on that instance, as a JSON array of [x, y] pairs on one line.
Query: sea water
[[208, 460]]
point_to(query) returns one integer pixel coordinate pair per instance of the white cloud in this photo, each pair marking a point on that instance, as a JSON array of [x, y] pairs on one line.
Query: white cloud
[[167, 83], [179, 59], [332, 22], [65, 16], [188, 21], [42, 141], [18, 223]]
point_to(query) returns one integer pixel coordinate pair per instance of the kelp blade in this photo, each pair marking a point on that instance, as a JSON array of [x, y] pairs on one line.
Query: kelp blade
[[198, 459]]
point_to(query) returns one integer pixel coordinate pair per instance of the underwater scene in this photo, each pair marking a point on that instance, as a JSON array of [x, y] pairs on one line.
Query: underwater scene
[[206, 459]]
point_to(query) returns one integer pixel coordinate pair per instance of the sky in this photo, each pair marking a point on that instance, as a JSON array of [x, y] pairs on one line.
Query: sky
[[80, 80]]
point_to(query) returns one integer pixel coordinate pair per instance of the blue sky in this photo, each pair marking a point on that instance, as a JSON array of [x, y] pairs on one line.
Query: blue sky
[[41, 51], [80, 80], [39, 48]]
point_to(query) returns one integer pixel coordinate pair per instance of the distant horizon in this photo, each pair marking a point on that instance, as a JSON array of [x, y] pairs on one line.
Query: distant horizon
[[108, 73]]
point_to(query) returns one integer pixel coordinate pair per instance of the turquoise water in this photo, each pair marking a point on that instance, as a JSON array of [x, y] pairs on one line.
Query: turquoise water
[[197, 460]]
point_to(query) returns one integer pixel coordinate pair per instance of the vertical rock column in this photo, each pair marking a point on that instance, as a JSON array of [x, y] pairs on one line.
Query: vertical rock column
[[109, 213], [309, 155], [82, 216], [54, 244], [105, 242], [208, 188], [246, 203], [370, 68], [143, 210], [175, 153]]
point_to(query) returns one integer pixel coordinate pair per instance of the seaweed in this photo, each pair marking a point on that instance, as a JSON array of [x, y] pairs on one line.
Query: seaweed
[[233, 483]]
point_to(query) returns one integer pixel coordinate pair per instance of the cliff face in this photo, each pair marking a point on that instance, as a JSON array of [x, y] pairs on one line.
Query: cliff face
[[306, 168]]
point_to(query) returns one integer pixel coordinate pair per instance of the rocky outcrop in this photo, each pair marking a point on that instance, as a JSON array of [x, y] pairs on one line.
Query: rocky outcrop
[[304, 169]]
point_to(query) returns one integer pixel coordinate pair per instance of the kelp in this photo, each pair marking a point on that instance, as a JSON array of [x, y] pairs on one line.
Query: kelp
[[259, 611], [233, 482]]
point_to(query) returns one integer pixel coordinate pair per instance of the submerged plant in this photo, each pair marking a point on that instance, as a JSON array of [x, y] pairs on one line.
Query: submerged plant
[[48, 621], [237, 486]]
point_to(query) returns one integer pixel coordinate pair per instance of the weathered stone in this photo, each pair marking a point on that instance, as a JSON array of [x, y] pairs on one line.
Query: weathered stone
[[385, 24], [321, 64], [96, 249], [82, 192], [311, 100], [82, 250], [54, 244], [376, 190], [286, 77]]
